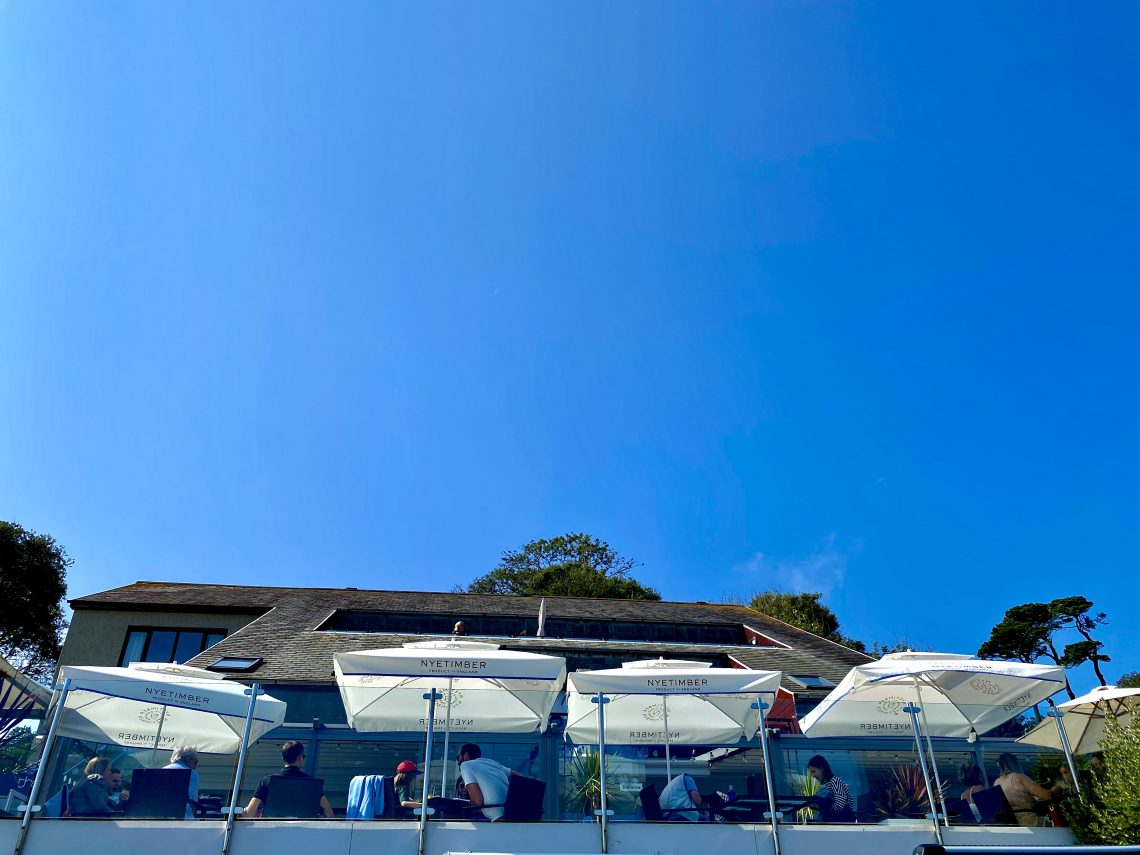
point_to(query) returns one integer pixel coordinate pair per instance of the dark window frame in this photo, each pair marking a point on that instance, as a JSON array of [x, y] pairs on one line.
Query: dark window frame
[[177, 630]]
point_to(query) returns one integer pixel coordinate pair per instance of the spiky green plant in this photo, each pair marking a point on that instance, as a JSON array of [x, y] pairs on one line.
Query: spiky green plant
[[805, 785], [585, 786], [901, 791]]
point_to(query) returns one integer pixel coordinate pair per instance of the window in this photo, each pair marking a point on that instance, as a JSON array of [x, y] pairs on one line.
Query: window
[[497, 626], [235, 663], [811, 681], [145, 644]]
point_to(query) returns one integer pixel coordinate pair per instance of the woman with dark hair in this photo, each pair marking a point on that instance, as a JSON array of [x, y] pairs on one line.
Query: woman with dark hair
[[405, 785], [835, 802], [1021, 791]]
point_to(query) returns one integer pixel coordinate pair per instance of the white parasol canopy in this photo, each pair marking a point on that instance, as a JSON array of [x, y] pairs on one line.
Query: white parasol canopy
[[154, 705], [702, 704], [957, 694], [1084, 718], [486, 689]]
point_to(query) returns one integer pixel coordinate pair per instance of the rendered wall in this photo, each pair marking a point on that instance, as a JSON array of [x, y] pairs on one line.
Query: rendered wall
[[109, 837]]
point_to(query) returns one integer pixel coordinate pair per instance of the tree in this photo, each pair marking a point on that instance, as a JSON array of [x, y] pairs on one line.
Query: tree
[[1026, 634], [33, 573], [1129, 680], [806, 612], [571, 565], [1109, 812]]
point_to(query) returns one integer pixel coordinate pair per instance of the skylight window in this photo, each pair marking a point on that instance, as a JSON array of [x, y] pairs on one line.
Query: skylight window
[[235, 664], [811, 681]]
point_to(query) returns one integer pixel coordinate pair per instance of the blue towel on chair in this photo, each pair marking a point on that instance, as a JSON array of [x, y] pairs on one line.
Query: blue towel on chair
[[365, 797]]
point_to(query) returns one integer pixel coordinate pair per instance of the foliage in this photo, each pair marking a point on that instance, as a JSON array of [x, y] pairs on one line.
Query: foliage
[[585, 790], [1110, 814], [1027, 633], [16, 749], [571, 565], [901, 792], [1129, 680], [805, 785], [806, 612], [33, 572]]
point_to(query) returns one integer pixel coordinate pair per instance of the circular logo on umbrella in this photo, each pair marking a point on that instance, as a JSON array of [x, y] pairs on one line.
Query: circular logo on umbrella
[[150, 715], [986, 687], [654, 712], [456, 698], [891, 705]]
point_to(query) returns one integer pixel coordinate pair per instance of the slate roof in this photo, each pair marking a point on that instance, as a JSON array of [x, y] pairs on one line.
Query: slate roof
[[284, 631]]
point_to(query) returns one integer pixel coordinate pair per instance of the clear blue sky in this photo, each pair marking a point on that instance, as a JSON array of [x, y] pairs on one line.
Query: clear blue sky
[[843, 297]]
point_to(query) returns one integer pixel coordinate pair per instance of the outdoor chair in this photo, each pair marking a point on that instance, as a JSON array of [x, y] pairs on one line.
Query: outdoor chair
[[649, 804], [290, 797], [992, 805], [159, 794], [523, 802]]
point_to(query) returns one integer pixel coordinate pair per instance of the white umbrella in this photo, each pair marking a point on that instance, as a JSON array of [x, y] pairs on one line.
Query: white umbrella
[[487, 690], [669, 702], [662, 701], [492, 690], [155, 705], [152, 705], [1083, 719], [953, 694]]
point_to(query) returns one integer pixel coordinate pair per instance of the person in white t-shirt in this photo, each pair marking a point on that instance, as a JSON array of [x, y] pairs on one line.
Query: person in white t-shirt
[[484, 779], [679, 793]]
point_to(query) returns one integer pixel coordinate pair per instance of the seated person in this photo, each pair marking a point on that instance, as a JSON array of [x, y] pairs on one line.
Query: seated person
[[91, 796], [407, 797], [293, 755], [484, 780], [971, 777], [186, 757], [1021, 791], [833, 797], [116, 796], [680, 793]]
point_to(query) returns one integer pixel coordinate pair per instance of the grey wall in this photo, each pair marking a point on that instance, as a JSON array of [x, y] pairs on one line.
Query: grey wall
[[96, 636]]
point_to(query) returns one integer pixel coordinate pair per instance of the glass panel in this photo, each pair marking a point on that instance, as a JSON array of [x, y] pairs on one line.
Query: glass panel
[[213, 638], [338, 762], [161, 647], [189, 645], [134, 648]]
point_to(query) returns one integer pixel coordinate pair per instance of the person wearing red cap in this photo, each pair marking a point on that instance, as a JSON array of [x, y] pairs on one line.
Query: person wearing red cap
[[405, 783]]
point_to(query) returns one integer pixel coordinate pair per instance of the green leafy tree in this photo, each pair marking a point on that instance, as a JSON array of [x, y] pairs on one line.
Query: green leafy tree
[[806, 612], [1129, 680], [33, 574], [1027, 633], [1110, 812], [571, 565]]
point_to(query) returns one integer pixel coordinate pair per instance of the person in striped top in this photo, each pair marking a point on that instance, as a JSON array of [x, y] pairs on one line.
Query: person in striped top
[[835, 802]]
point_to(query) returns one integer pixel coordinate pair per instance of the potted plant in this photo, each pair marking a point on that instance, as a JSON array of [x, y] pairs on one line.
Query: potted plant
[[900, 792], [584, 788]]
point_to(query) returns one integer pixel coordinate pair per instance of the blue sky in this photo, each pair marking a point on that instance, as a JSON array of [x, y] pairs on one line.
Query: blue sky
[[842, 297]]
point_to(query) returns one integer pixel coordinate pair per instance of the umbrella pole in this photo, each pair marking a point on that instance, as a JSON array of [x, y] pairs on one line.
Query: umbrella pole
[[49, 743], [1056, 714], [913, 710], [773, 814], [253, 691], [933, 759], [446, 739], [601, 700], [668, 761], [431, 697], [157, 737]]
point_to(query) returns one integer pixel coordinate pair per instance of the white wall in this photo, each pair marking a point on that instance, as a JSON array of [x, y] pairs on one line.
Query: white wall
[[116, 837]]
